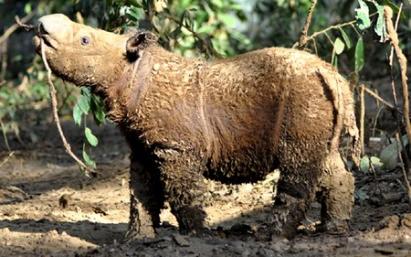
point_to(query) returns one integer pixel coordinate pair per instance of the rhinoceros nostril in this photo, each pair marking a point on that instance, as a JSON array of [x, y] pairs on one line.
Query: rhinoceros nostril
[[44, 35], [41, 30]]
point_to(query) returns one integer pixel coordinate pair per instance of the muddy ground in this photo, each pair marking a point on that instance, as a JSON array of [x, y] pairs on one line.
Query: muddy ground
[[49, 208]]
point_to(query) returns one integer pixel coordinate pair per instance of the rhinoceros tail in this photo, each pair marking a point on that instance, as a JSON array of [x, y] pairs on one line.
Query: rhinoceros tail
[[356, 148], [352, 130], [344, 109]]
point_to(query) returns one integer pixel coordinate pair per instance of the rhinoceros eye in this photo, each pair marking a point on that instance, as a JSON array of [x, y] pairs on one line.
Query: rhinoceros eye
[[85, 40]]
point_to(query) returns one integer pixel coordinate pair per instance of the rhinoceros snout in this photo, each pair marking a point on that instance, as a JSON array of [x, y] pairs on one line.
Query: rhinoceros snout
[[55, 25]]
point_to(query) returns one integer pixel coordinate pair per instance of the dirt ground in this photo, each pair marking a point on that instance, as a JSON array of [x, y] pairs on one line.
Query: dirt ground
[[49, 208]]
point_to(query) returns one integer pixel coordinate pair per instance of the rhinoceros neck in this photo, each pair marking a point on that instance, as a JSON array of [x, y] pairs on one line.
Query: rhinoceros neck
[[125, 95], [114, 92]]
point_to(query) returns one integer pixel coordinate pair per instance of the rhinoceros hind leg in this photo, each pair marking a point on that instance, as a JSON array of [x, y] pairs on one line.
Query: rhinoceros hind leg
[[291, 204], [336, 195]]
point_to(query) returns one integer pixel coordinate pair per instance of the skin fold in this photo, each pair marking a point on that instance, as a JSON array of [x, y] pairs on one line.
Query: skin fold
[[233, 120]]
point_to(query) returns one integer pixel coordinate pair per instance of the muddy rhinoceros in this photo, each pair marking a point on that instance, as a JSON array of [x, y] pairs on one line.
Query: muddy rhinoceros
[[232, 120]]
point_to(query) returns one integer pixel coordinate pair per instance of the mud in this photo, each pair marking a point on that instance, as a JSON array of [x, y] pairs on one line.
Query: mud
[[92, 222]]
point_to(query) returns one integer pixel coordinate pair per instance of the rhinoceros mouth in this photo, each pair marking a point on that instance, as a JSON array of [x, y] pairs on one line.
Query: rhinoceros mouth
[[43, 35], [48, 41]]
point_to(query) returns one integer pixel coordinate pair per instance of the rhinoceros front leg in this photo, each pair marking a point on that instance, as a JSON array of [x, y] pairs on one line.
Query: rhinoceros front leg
[[146, 201], [184, 186]]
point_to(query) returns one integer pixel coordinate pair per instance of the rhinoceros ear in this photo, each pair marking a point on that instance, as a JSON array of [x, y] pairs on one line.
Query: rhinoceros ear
[[138, 42]]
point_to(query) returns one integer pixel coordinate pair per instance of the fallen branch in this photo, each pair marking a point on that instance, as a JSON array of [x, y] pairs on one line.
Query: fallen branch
[[19, 23], [403, 65], [303, 37], [53, 97]]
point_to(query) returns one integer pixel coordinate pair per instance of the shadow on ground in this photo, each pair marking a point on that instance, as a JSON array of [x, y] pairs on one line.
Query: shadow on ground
[[98, 211], [96, 233]]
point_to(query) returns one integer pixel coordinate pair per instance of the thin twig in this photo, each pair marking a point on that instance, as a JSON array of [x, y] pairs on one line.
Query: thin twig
[[303, 37], [316, 34], [329, 38], [315, 47], [7, 158], [404, 172], [379, 98], [337, 26], [403, 65], [377, 115], [22, 24], [4, 132], [355, 29], [15, 26], [56, 116], [362, 117], [393, 88], [3, 60]]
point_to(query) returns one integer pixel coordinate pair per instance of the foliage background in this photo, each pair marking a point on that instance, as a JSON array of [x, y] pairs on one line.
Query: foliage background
[[210, 29]]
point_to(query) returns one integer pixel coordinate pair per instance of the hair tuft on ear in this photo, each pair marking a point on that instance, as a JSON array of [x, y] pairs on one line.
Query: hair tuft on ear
[[138, 42]]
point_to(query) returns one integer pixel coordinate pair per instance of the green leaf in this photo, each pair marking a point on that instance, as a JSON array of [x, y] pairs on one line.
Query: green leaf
[[228, 19], [84, 104], [85, 91], [359, 55], [27, 8], [82, 107], [97, 108], [133, 16], [184, 4], [91, 138], [380, 25], [366, 162], [134, 3], [346, 38], [389, 155], [361, 194], [99, 117], [87, 159], [363, 15], [206, 29], [218, 3], [338, 46], [77, 113]]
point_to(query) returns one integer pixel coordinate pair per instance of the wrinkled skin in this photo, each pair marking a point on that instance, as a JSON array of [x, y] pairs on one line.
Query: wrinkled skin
[[233, 120]]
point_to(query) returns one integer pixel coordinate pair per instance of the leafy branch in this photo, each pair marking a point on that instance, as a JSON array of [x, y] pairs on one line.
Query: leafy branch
[[205, 44], [303, 37]]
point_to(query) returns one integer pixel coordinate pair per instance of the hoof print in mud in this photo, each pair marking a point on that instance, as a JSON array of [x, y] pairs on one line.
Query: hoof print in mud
[[233, 120]]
